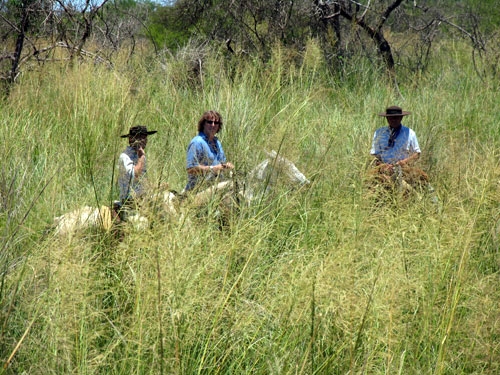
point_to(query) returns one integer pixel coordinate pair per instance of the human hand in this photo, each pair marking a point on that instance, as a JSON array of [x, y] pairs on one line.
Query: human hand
[[220, 167], [140, 152], [386, 168], [401, 163], [227, 165]]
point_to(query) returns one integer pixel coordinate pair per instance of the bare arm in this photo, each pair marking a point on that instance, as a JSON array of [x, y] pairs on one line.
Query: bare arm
[[409, 160], [204, 169], [141, 161]]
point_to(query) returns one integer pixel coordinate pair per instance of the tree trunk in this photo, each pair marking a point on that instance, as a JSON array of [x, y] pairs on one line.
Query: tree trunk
[[376, 34], [330, 33], [23, 27]]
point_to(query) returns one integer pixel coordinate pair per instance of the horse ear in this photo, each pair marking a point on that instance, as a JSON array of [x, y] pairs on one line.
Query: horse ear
[[272, 154], [260, 171]]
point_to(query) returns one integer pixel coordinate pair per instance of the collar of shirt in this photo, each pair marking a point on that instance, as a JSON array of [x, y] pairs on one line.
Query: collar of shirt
[[131, 153], [214, 145], [205, 138]]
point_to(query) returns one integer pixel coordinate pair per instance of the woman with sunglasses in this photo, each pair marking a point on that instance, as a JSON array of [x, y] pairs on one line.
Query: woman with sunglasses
[[205, 157]]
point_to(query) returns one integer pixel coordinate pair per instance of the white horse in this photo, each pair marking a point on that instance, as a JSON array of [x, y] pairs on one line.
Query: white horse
[[86, 217], [274, 170]]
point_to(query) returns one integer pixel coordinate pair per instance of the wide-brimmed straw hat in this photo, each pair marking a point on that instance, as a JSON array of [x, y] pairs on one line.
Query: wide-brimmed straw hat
[[394, 111], [137, 131]]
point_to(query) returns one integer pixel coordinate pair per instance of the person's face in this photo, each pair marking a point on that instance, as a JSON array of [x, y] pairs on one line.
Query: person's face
[[211, 127], [139, 141], [394, 121]]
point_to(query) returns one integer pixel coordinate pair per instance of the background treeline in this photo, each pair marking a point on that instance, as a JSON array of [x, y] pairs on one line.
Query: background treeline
[[36, 32]]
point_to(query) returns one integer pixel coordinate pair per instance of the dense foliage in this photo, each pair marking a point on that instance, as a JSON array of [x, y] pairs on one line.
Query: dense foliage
[[324, 280]]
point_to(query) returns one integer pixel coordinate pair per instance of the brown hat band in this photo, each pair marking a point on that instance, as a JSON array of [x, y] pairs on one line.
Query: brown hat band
[[394, 111]]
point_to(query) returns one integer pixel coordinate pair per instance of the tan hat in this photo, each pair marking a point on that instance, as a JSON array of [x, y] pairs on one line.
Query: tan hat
[[394, 111]]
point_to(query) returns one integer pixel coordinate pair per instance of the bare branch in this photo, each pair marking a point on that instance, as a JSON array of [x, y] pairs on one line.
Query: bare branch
[[474, 39], [388, 12], [366, 10], [7, 57]]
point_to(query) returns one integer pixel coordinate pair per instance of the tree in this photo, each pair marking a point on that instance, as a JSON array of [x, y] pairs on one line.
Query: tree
[[18, 20], [417, 23], [346, 28], [47, 25], [371, 20]]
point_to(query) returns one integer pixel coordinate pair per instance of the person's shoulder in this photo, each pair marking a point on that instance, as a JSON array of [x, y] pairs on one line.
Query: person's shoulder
[[125, 158], [381, 129], [127, 152], [409, 130], [198, 138], [197, 142]]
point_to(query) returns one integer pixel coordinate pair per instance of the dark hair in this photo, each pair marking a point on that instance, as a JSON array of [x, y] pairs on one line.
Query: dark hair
[[209, 115]]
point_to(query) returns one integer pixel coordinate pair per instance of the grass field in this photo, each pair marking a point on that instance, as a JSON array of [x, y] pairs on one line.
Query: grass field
[[320, 281]]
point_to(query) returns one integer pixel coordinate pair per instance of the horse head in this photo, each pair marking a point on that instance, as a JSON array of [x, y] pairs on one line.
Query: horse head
[[274, 170]]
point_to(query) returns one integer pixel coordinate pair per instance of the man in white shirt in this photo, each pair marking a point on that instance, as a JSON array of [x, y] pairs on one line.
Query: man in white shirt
[[395, 144], [395, 149], [132, 164]]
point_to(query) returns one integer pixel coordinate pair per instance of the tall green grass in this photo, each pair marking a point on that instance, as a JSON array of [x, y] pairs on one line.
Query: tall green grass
[[321, 281]]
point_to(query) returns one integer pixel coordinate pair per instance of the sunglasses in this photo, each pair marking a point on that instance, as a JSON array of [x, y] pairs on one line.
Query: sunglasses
[[212, 122]]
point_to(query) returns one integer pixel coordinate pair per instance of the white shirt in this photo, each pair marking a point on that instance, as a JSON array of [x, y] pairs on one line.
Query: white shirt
[[127, 182], [405, 144]]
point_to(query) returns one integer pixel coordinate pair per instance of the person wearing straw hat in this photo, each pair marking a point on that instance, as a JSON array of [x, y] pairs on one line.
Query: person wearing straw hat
[[395, 144], [395, 150], [132, 164]]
